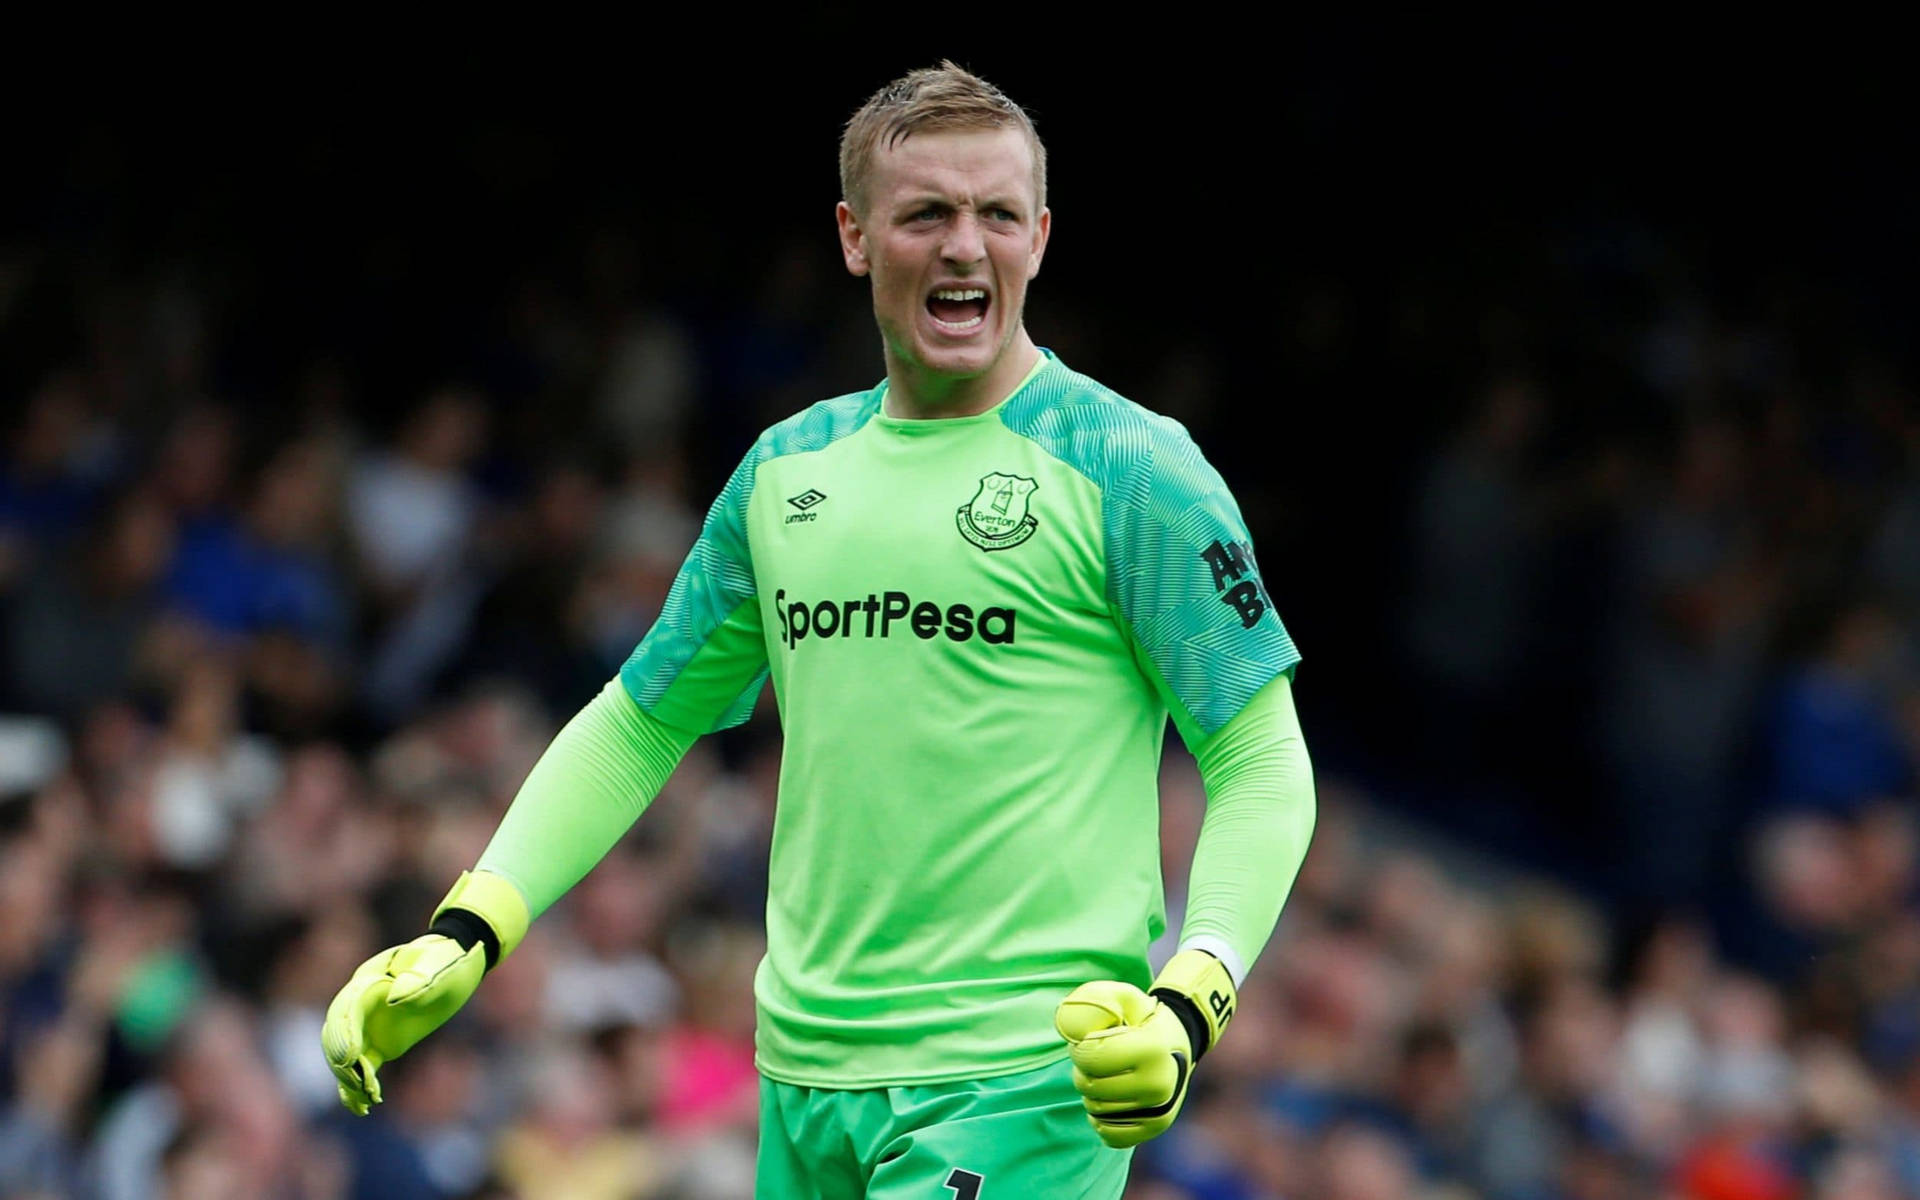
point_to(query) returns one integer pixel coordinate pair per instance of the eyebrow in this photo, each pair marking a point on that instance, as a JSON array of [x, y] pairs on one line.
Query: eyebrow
[[935, 200]]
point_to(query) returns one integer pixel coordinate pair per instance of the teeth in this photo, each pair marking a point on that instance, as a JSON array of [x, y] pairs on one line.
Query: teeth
[[960, 294], [969, 323]]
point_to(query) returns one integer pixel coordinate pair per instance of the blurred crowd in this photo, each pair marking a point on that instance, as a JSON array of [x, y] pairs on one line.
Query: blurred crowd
[[1613, 895]]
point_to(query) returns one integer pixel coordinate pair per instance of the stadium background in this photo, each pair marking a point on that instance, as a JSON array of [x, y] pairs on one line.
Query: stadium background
[[357, 416]]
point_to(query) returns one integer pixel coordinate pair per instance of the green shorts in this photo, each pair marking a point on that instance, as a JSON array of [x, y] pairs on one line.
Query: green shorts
[[1005, 1138]]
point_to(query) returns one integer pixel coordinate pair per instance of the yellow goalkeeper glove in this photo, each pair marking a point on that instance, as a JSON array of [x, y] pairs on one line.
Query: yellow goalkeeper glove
[[1134, 1052], [403, 993]]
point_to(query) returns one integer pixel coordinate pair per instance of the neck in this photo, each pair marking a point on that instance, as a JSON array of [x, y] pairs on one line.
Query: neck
[[918, 394]]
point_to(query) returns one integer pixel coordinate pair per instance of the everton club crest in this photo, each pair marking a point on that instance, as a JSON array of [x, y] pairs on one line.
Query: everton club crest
[[997, 517]]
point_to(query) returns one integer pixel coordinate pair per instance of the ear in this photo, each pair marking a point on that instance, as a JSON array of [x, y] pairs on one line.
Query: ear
[[1041, 229], [853, 242]]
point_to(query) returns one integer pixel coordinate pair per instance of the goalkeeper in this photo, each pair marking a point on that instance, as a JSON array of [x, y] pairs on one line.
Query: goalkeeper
[[980, 589]]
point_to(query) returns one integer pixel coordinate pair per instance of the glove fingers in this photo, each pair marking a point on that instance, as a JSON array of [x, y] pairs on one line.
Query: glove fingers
[[359, 1084], [1116, 1052], [1149, 1084], [1100, 1005], [1113, 1092], [1109, 1109], [1120, 1135], [346, 1008], [344, 1035], [354, 1099], [419, 965]]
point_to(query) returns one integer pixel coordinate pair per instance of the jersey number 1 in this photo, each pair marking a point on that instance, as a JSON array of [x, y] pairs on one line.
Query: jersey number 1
[[965, 1185]]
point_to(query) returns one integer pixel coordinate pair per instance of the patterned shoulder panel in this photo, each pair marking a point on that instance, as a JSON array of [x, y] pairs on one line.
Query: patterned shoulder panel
[[717, 578], [818, 426], [1180, 563]]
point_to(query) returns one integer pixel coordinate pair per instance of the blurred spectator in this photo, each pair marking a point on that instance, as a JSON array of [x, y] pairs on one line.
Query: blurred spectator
[[569, 1146], [50, 475], [78, 631], [1526, 1140], [411, 508], [208, 773], [270, 570], [1470, 621], [412, 512], [605, 974], [1834, 738], [214, 1117], [1700, 598], [645, 532], [647, 390], [555, 551], [1357, 1163]]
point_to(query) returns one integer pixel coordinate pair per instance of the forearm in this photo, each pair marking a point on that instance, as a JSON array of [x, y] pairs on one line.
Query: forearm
[[1260, 815], [593, 782]]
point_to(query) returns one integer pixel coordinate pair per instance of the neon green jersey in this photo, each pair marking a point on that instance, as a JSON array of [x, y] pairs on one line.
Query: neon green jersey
[[976, 629]]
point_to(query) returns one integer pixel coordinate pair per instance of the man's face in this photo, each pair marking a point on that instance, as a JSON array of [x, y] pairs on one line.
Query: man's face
[[951, 233]]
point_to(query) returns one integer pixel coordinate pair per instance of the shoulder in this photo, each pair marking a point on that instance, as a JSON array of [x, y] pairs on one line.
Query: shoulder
[[1119, 445], [817, 426], [812, 428]]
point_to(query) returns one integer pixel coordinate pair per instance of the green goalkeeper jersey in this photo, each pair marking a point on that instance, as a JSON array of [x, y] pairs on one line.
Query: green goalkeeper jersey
[[976, 629]]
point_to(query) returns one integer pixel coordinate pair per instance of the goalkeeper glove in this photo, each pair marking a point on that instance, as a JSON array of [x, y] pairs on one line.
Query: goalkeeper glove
[[403, 993], [1134, 1053]]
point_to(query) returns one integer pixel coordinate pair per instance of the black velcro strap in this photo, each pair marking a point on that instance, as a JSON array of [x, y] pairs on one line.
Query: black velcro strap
[[1190, 1016], [466, 928]]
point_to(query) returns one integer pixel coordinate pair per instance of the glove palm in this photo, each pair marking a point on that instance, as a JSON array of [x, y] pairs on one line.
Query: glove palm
[[394, 999]]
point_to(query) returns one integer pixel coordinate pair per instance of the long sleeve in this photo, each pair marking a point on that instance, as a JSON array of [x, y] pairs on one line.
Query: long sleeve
[[1260, 817], [600, 773]]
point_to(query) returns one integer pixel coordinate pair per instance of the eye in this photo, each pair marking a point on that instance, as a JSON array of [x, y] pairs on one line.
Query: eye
[[927, 215], [1002, 214]]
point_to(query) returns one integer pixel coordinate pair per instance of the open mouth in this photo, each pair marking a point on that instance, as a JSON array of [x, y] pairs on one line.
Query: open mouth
[[958, 310]]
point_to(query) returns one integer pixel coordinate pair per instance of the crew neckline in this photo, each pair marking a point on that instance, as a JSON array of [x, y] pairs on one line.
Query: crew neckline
[[933, 424]]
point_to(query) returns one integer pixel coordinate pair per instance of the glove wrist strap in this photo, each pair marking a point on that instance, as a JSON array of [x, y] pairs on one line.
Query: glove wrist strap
[[467, 929], [483, 908], [1189, 1014], [1197, 987]]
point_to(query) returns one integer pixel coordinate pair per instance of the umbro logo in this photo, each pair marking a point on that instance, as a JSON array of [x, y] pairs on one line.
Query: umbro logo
[[805, 502]]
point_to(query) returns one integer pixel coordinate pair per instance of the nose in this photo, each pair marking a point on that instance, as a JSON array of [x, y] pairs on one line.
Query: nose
[[965, 245]]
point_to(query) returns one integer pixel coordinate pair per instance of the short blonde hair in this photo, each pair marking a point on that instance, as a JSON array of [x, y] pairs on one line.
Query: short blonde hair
[[941, 99]]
